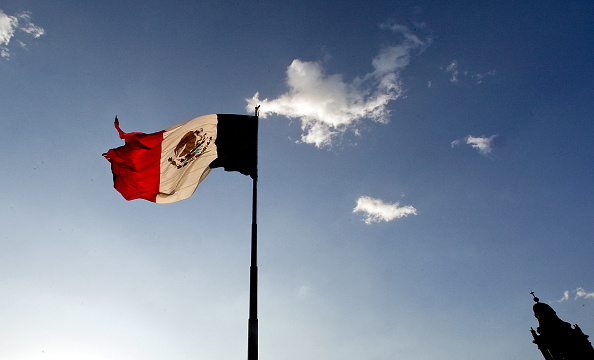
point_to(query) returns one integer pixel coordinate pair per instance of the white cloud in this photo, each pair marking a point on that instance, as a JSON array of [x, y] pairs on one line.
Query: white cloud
[[10, 25], [581, 293], [565, 296], [483, 144], [479, 77], [7, 26], [376, 210], [453, 69], [28, 27], [328, 105]]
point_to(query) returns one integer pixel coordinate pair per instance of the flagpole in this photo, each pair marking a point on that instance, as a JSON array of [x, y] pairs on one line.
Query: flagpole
[[253, 312]]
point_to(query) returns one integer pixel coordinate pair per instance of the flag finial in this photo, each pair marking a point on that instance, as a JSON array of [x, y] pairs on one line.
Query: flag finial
[[534, 297]]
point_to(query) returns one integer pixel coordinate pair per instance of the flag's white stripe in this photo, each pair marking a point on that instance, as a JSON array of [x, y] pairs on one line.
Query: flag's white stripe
[[178, 184]]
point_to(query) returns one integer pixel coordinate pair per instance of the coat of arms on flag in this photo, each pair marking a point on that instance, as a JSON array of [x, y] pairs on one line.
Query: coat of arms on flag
[[190, 147]]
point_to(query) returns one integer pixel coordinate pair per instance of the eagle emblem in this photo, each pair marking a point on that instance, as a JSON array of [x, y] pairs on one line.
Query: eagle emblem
[[190, 147]]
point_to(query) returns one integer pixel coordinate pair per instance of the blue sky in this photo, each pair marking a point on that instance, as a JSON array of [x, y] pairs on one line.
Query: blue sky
[[423, 167]]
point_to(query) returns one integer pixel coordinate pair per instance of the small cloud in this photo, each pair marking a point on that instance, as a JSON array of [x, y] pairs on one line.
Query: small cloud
[[10, 25], [456, 74], [328, 105], [483, 144], [581, 293], [376, 210], [479, 77], [452, 68], [28, 27], [565, 296]]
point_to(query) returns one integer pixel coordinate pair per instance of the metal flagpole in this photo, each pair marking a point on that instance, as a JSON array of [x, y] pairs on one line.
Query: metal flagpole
[[253, 315]]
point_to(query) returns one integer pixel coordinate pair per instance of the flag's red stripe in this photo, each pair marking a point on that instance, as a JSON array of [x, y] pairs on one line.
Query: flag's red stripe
[[136, 166]]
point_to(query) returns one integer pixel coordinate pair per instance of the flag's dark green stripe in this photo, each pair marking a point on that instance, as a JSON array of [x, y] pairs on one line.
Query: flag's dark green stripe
[[237, 144]]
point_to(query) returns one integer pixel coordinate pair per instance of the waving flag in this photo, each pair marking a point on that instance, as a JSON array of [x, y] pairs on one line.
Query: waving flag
[[168, 165]]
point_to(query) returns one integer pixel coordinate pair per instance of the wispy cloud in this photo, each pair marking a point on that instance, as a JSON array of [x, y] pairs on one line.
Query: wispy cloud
[[375, 210], [580, 293], [483, 144], [479, 77], [328, 105], [453, 69], [10, 25], [565, 296]]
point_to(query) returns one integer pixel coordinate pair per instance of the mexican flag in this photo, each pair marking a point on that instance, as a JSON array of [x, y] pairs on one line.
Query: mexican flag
[[168, 165]]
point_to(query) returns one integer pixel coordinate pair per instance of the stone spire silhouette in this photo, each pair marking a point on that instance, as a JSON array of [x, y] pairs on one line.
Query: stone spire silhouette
[[556, 339]]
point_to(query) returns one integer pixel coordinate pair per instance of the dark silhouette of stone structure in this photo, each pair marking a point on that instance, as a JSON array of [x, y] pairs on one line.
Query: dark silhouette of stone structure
[[556, 339]]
